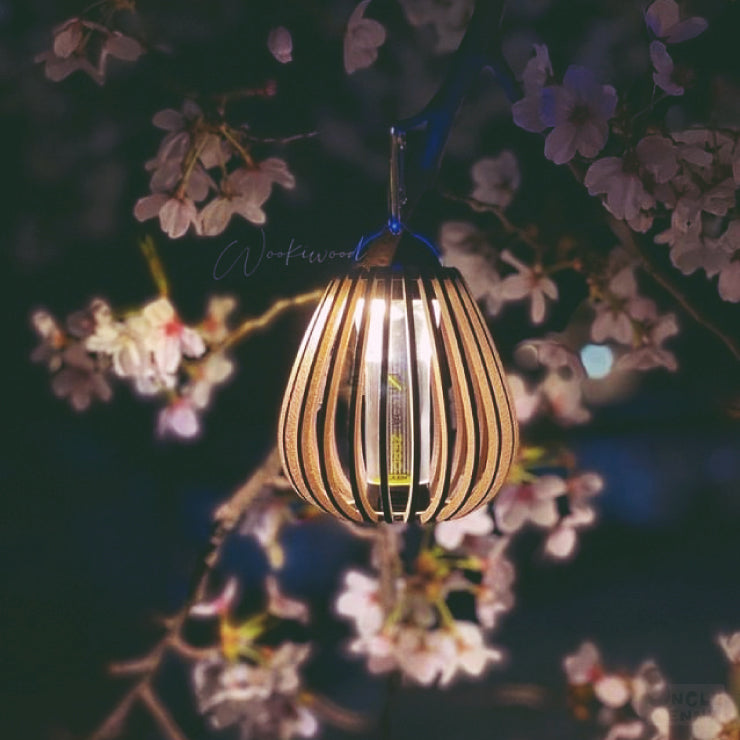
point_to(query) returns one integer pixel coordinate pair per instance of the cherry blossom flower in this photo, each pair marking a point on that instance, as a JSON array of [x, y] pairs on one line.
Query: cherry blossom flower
[[583, 666], [729, 274], [528, 281], [579, 111], [551, 354], [471, 655], [176, 214], [219, 606], [527, 112], [526, 401], [81, 44], [534, 502], [460, 243], [662, 18], [619, 308], [564, 399], [283, 606], [263, 700], [712, 726], [449, 18], [496, 179], [264, 521], [280, 44], [360, 601], [214, 327], [650, 353], [169, 338], [179, 419], [362, 39], [494, 594], [205, 376], [665, 71], [244, 192], [52, 340], [452, 533], [79, 378], [730, 645]]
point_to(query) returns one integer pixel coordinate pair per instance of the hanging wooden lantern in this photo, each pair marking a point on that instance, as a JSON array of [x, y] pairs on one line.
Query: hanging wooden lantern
[[397, 407]]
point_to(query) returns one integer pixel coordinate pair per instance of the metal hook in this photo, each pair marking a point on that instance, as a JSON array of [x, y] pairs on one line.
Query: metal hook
[[396, 187]]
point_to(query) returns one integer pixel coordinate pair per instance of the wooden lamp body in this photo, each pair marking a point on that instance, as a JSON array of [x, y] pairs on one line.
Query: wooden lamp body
[[421, 429]]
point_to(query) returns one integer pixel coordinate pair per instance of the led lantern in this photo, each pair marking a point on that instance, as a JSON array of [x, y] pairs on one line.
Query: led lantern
[[397, 406]]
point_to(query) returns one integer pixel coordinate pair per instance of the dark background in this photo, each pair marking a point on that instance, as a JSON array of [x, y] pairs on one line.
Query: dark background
[[101, 524]]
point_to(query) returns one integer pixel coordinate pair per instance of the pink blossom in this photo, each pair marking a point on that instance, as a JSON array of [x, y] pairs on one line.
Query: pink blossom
[[52, 340], [527, 112], [169, 338], [451, 534], [526, 401], [662, 18], [280, 44], [584, 666], [219, 606], [206, 375], [579, 111], [283, 606], [214, 327], [360, 601], [464, 247], [496, 179], [564, 397], [80, 44], [528, 281], [626, 196], [449, 18], [520, 503], [712, 726], [471, 656], [665, 71], [176, 214], [362, 39], [79, 378], [730, 645], [650, 353], [561, 542], [178, 419]]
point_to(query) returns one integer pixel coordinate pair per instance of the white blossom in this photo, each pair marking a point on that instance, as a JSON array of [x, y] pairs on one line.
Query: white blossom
[[517, 504], [579, 111], [280, 44], [730, 645], [662, 18], [362, 39], [360, 601], [451, 534], [496, 179], [529, 282], [711, 726], [583, 666]]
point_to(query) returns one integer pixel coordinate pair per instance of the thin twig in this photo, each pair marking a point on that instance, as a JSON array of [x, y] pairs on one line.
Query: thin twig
[[260, 322], [633, 245], [279, 139], [226, 518]]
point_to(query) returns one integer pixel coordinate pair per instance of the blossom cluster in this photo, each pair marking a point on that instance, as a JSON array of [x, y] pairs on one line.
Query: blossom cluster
[[151, 348], [636, 705], [405, 622], [85, 45], [249, 683], [199, 158]]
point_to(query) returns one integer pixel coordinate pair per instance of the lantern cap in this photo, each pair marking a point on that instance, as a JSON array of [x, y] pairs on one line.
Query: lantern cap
[[396, 249]]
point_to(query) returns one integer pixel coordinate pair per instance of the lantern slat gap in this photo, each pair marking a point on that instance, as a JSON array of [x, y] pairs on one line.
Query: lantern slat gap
[[290, 394], [508, 427], [357, 467], [336, 477], [439, 470], [488, 416], [385, 494], [330, 349], [297, 403], [467, 451]]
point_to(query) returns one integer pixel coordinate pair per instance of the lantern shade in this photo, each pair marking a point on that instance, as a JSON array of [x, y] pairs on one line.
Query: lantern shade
[[397, 407]]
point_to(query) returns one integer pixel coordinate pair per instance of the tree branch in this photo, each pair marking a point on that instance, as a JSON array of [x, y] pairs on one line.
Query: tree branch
[[226, 519]]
